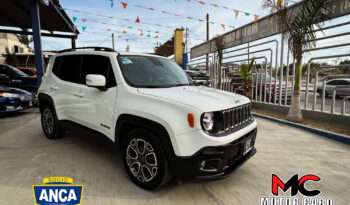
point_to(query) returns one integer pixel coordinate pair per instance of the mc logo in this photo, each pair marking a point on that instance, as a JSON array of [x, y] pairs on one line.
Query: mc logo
[[297, 185], [58, 190]]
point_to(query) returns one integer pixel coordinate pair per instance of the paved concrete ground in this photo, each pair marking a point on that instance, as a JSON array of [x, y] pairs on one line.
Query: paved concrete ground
[[26, 157]]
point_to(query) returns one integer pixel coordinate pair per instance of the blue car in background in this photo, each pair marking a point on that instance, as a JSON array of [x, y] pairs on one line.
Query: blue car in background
[[14, 99]]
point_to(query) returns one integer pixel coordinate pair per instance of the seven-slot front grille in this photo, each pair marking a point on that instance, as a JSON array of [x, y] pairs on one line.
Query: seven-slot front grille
[[236, 117]]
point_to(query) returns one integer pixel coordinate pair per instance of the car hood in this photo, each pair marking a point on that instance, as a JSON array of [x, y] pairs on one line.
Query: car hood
[[13, 90], [200, 97]]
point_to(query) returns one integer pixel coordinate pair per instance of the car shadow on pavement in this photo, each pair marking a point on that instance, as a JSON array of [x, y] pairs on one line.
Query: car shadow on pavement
[[102, 168]]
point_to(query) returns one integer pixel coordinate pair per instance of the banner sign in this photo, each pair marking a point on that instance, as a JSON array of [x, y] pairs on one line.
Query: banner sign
[[264, 27]]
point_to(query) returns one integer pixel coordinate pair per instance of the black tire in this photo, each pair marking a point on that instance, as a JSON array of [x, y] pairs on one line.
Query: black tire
[[49, 123], [326, 94], [149, 158]]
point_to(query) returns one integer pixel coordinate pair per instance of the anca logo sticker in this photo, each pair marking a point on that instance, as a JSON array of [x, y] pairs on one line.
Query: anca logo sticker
[[297, 185], [58, 190]]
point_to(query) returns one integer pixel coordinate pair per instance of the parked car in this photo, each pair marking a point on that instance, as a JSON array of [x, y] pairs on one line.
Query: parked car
[[199, 78], [28, 71], [13, 99], [237, 82], [341, 86], [12, 77], [163, 125]]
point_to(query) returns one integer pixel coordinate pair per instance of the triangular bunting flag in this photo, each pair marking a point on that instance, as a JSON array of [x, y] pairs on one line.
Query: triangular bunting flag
[[62, 9], [83, 28], [215, 5], [74, 19], [256, 18], [124, 5], [83, 20], [148, 35], [247, 14], [201, 2], [124, 32], [137, 20], [112, 3], [156, 36], [236, 13], [223, 26]]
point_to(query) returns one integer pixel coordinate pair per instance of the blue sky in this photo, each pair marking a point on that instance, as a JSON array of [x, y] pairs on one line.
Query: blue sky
[[96, 34]]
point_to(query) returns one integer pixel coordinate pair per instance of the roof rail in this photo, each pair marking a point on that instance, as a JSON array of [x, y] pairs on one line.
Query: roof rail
[[94, 48]]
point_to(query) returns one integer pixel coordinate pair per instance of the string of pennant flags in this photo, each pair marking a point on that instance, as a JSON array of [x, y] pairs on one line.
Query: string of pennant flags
[[124, 5], [84, 20], [236, 11]]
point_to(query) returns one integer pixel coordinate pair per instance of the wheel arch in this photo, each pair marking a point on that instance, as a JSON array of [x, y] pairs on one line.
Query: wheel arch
[[45, 99], [127, 122]]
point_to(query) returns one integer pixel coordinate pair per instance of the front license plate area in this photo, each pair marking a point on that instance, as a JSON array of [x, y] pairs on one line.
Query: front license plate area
[[247, 146]]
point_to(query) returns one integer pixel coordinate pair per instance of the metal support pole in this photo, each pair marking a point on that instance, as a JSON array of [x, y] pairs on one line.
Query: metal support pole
[[307, 86], [73, 43], [323, 95], [276, 69], [287, 76], [113, 41], [248, 55], [281, 71], [334, 93], [39, 60], [315, 91], [207, 56], [293, 78], [343, 107]]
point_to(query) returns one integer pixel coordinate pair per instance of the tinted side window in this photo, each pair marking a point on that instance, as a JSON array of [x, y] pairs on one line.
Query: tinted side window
[[334, 82], [100, 65], [344, 82], [67, 68], [57, 66]]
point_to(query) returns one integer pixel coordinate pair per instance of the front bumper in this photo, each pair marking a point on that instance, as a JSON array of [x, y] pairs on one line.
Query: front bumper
[[220, 161], [14, 104]]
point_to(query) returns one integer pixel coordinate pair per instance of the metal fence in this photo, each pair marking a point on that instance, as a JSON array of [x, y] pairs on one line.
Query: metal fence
[[273, 86]]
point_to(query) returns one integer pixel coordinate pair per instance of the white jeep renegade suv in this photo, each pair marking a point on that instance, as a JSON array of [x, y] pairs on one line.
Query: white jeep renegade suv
[[163, 124]]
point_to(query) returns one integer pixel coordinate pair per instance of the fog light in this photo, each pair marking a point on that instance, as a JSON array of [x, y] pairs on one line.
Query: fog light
[[211, 165]]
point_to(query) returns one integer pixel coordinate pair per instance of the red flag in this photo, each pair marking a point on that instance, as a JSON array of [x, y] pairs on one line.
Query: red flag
[[137, 20], [201, 2], [256, 18], [156, 36], [124, 5], [223, 26]]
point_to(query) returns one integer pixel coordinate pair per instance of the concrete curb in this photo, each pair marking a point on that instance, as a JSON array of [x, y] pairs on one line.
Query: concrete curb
[[330, 135]]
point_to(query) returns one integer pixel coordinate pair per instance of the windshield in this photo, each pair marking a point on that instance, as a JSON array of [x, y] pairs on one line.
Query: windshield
[[16, 71], [152, 72], [262, 78]]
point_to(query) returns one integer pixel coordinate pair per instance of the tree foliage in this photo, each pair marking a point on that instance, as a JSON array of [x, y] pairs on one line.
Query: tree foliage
[[24, 39]]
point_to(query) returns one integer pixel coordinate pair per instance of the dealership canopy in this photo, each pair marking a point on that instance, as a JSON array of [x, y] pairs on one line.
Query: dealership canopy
[[37, 16]]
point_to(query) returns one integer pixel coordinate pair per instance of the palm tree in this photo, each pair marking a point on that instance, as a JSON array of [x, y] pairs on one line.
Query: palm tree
[[246, 74], [300, 28], [219, 43]]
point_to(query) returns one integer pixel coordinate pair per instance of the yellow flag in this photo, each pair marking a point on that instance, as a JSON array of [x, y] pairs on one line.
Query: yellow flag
[[279, 2]]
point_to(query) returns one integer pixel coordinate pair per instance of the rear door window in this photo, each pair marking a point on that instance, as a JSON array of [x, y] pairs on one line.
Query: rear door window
[[67, 68], [99, 65]]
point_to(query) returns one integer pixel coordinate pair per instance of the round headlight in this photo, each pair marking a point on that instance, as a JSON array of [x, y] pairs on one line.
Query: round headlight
[[208, 121]]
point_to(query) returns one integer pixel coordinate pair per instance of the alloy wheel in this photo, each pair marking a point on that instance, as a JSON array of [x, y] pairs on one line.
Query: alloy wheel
[[47, 120], [141, 160]]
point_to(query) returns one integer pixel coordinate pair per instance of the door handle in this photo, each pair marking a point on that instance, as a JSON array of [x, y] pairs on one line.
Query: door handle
[[79, 94], [54, 87]]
